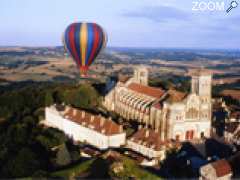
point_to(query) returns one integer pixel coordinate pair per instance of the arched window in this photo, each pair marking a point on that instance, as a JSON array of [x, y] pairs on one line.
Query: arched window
[[189, 135]]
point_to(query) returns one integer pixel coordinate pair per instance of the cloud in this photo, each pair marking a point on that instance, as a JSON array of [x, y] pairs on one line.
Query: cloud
[[160, 14], [181, 27], [228, 24]]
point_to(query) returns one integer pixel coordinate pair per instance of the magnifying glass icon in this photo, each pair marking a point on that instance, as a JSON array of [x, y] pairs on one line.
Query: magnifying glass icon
[[233, 4]]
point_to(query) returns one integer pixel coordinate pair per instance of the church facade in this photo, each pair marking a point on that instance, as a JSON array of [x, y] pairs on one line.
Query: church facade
[[173, 114]]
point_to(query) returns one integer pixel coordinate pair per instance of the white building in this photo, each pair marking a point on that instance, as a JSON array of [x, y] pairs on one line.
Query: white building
[[175, 115], [85, 127], [148, 143], [218, 170]]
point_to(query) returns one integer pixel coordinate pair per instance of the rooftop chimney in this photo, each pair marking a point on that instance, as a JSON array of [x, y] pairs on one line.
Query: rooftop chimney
[[147, 133], [101, 121], [92, 118], [120, 128], [83, 114], [74, 112]]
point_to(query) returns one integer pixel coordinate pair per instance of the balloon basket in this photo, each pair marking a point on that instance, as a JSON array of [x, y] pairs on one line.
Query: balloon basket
[[87, 79]]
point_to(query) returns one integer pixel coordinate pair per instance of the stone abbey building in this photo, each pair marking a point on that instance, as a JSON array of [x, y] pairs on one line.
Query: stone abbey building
[[173, 114]]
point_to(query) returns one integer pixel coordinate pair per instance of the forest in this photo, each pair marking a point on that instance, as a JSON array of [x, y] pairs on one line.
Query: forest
[[27, 148]]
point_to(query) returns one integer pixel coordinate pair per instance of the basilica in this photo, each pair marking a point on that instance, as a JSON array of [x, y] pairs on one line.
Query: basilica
[[172, 114]]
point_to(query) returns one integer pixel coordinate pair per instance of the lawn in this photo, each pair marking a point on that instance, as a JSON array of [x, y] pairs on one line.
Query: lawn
[[73, 170], [131, 169]]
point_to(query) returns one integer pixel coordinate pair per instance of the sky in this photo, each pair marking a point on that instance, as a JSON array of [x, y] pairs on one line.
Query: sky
[[128, 23]]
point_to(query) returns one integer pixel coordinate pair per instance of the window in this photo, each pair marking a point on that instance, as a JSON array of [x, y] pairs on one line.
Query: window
[[189, 135], [178, 118]]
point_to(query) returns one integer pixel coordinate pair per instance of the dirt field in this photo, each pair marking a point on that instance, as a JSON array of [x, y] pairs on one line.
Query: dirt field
[[233, 93]]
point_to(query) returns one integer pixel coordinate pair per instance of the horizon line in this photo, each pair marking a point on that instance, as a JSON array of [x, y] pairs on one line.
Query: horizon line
[[127, 47]]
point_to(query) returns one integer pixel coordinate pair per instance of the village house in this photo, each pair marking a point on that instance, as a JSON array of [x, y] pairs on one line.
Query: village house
[[218, 170], [148, 143]]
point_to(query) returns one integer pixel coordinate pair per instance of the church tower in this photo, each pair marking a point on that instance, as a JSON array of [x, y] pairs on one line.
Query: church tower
[[141, 75], [202, 85]]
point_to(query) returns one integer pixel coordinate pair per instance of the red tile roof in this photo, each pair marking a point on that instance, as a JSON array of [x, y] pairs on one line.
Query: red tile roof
[[222, 167], [150, 139], [147, 90], [97, 123]]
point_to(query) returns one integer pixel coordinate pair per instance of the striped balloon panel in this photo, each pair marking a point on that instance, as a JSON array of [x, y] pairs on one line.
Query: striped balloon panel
[[84, 41]]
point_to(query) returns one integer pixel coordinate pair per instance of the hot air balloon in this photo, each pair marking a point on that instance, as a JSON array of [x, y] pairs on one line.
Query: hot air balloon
[[84, 41]]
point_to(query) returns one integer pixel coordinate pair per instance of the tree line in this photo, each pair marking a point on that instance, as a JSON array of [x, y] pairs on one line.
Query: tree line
[[26, 147]]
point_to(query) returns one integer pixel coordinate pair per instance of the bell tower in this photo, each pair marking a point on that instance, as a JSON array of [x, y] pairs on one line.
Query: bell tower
[[202, 85], [141, 75]]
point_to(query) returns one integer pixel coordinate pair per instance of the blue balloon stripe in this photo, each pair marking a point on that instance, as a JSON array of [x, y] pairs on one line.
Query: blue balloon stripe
[[90, 41]]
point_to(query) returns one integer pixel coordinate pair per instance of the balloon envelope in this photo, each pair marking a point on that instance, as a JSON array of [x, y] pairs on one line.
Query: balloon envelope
[[84, 41]]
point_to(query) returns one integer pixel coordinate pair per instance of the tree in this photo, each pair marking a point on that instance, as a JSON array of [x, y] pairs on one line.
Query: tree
[[23, 164], [63, 156], [57, 96], [48, 99], [50, 138], [99, 169], [84, 96]]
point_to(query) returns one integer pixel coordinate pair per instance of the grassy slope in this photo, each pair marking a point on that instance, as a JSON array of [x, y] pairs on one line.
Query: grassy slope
[[131, 169], [76, 169]]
